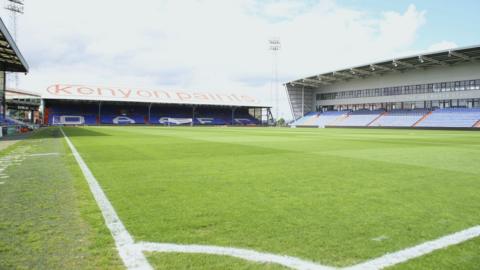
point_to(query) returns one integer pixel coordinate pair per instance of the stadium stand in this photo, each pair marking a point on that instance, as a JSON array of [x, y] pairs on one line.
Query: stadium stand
[[452, 117], [447, 118], [59, 113], [66, 104], [9, 121], [360, 118], [11, 60], [123, 115], [400, 118], [170, 115], [213, 116], [245, 119], [329, 117], [429, 90], [72, 114], [304, 120]]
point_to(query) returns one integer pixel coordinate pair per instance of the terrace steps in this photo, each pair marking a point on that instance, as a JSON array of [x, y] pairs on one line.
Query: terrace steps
[[377, 118], [423, 118], [477, 124], [311, 121], [340, 119]]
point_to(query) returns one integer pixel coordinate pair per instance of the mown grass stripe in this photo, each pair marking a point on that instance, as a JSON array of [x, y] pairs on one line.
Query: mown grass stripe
[[132, 256]]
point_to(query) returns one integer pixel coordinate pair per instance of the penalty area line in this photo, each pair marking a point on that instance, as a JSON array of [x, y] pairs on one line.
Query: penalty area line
[[131, 255], [419, 250]]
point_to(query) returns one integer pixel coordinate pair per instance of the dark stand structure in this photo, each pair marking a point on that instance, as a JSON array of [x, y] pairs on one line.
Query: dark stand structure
[[11, 60]]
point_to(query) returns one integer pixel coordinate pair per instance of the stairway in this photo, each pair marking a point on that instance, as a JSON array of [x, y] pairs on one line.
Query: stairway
[[311, 121], [423, 118], [21, 123], [375, 120], [339, 120], [477, 124]]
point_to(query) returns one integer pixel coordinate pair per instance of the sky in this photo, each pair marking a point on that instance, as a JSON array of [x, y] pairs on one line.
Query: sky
[[218, 45]]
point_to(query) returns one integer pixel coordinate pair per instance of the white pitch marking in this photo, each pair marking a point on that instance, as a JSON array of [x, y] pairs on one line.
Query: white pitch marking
[[246, 254], [417, 251], [44, 154], [380, 238], [131, 253], [2, 183], [132, 256], [4, 176]]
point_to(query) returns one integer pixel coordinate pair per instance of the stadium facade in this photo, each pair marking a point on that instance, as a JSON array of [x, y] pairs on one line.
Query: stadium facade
[[440, 89], [66, 104]]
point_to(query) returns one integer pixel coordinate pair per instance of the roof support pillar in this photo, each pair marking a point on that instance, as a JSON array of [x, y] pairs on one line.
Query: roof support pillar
[[4, 98], [149, 113], [193, 116], [303, 101], [99, 113], [233, 116]]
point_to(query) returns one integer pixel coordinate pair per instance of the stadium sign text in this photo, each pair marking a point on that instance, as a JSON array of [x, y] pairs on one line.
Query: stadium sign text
[[126, 94]]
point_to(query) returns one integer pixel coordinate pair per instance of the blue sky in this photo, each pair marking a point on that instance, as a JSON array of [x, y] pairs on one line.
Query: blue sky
[[222, 45], [445, 19]]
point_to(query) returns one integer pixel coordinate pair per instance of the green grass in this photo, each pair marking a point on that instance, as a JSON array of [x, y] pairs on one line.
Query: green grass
[[462, 256], [321, 195], [201, 261], [48, 218]]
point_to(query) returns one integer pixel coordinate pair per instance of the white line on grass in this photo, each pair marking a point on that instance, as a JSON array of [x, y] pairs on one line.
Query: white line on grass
[[131, 253], [44, 154], [417, 251], [246, 254], [132, 256]]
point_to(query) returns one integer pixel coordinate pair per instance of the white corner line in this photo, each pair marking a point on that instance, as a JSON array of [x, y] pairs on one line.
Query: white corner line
[[419, 250], [246, 254], [131, 255]]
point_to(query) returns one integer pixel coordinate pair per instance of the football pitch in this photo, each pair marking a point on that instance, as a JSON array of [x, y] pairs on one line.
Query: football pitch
[[330, 197]]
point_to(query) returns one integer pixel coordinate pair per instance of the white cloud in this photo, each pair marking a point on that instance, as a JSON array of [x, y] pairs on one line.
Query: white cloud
[[442, 45], [398, 31], [202, 44], [275, 10]]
